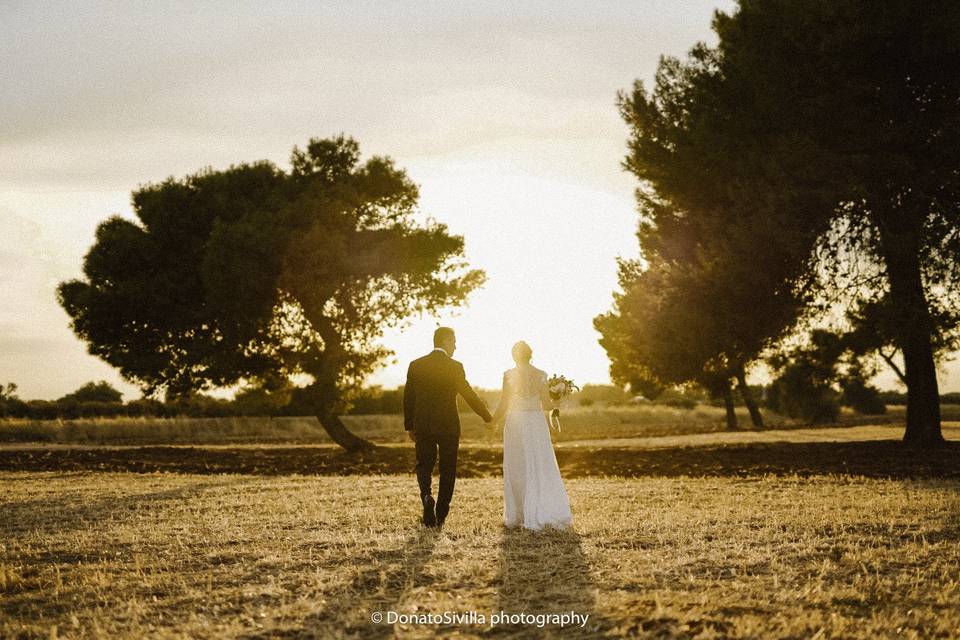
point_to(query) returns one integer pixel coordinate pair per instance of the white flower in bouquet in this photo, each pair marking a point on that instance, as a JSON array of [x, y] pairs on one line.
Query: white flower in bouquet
[[560, 387]]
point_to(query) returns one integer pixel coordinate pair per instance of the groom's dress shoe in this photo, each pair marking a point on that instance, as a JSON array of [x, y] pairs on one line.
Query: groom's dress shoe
[[429, 517]]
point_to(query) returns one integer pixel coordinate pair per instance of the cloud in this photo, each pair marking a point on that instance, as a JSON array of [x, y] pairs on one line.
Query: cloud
[[108, 95]]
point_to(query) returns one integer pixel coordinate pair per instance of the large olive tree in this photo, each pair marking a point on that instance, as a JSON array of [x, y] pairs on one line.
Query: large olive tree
[[260, 276]]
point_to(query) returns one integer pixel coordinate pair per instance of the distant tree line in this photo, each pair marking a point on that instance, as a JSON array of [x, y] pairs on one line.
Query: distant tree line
[[101, 400]]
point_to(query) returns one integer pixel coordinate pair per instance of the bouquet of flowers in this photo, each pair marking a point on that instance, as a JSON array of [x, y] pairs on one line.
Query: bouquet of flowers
[[559, 387]]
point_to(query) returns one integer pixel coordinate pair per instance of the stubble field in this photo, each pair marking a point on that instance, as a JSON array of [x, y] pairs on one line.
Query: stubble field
[[88, 554]]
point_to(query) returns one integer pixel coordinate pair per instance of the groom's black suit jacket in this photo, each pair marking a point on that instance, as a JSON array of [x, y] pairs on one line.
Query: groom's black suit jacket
[[430, 395]]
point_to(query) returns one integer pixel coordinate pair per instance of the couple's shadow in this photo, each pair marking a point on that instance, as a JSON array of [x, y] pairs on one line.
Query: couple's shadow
[[538, 572], [545, 572], [384, 580]]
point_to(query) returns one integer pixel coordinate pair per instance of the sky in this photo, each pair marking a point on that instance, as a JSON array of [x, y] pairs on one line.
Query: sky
[[503, 113]]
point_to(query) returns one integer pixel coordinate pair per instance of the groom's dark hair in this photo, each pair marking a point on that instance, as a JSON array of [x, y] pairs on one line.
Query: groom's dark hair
[[441, 334]]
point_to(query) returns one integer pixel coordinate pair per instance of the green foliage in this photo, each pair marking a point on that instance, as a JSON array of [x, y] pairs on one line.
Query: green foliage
[[878, 115], [654, 332], [804, 386], [604, 394], [678, 402], [798, 394], [255, 275], [101, 391], [8, 392], [646, 386], [861, 397], [873, 329], [262, 401], [10, 404], [376, 401], [724, 252], [800, 148], [815, 379]]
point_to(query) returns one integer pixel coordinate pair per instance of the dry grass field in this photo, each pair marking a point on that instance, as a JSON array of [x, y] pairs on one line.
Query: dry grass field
[[796, 533], [94, 555], [579, 423]]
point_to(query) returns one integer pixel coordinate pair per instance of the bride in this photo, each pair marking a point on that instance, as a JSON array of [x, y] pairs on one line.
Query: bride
[[533, 493]]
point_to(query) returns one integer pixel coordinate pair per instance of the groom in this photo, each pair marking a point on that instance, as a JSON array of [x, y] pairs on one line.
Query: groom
[[432, 421]]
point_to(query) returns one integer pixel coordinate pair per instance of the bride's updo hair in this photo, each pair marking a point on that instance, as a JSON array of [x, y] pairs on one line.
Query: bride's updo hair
[[521, 353]]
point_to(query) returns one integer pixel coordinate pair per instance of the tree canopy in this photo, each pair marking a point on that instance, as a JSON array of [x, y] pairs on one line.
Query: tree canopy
[[101, 391], [815, 136], [261, 276]]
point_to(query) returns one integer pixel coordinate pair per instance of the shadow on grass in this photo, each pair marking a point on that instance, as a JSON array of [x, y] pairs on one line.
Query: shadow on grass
[[66, 512], [385, 579], [545, 572], [63, 514], [871, 458]]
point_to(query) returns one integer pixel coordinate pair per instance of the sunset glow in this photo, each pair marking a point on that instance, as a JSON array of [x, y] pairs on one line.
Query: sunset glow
[[505, 118]]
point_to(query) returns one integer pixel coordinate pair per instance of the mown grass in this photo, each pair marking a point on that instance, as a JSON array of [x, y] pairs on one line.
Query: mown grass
[[122, 431], [90, 555], [578, 423]]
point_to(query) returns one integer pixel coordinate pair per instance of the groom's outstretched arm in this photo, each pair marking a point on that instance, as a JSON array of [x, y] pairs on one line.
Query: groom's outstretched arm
[[476, 402], [409, 396]]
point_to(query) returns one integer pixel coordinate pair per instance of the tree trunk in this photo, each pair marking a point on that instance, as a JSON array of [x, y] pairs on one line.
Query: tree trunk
[[902, 257], [728, 403], [755, 417], [339, 433], [325, 399]]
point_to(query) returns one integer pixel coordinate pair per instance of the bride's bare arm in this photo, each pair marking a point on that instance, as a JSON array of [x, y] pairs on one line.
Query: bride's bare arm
[[504, 402], [546, 402]]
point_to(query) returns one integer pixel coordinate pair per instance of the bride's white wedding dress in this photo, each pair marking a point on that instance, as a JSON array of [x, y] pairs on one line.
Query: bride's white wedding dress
[[533, 492]]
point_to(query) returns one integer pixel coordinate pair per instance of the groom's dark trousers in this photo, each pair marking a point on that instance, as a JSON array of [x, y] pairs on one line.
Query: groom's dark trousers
[[430, 411]]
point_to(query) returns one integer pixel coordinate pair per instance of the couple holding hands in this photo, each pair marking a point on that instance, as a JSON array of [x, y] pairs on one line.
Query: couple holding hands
[[534, 495]]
